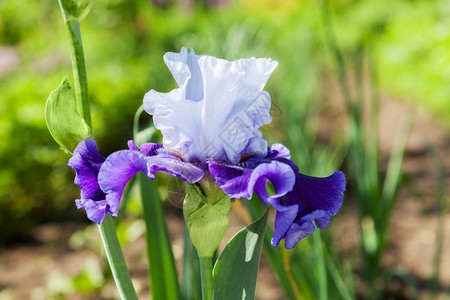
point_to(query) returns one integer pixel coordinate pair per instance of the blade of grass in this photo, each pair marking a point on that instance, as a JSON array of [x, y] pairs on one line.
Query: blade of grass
[[319, 263], [394, 169], [344, 291], [163, 275], [441, 204]]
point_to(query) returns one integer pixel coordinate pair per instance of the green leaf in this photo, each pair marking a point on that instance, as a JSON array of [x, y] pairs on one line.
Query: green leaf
[[65, 124], [207, 219], [163, 274], [75, 9], [236, 270]]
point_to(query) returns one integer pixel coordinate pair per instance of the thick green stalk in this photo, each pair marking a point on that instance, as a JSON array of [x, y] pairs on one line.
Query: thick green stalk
[[79, 70], [116, 260], [78, 65], [207, 278]]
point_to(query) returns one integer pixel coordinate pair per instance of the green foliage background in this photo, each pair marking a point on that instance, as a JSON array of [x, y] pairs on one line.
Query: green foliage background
[[124, 42]]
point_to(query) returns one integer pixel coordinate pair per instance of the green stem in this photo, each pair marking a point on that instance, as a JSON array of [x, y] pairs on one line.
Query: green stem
[[116, 260], [78, 66], [206, 277], [79, 70]]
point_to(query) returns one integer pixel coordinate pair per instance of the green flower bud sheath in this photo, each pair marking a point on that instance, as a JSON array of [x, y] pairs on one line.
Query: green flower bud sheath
[[206, 212]]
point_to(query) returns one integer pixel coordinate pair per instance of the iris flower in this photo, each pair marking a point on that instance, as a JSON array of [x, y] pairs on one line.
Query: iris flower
[[210, 126]]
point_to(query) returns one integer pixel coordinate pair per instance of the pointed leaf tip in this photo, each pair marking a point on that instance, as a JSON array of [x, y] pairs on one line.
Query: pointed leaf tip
[[65, 124]]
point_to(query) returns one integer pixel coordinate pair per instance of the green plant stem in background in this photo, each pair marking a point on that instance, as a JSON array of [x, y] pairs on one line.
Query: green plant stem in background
[[320, 266], [206, 277], [116, 260], [162, 272], [442, 206]]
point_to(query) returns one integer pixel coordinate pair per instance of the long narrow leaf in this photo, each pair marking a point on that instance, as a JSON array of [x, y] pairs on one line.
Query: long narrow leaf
[[163, 274], [320, 266], [442, 205]]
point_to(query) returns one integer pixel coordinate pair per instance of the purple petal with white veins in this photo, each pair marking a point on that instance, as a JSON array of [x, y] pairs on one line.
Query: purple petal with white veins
[[115, 173], [170, 162], [233, 180], [148, 149]]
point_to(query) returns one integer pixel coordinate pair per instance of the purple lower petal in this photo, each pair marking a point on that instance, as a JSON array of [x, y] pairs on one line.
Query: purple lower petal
[[320, 193], [283, 221], [86, 162], [237, 182], [305, 226], [233, 180], [317, 199], [280, 175], [171, 162], [115, 173], [95, 210]]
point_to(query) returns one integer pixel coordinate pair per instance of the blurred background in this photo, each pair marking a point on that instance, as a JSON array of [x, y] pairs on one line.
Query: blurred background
[[362, 86]]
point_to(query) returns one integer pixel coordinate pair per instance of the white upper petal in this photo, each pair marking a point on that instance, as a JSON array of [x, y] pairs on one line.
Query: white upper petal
[[217, 109]]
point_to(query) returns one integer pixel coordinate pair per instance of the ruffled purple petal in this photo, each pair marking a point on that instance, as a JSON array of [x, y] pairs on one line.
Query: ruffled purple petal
[[115, 173], [317, 199], [148, 149], [305, 226], [95, 210], [280, 176], [86, 162], [233, 180], [237, 182], [302, 202], [320, 193], [170, 161], [283, 221]]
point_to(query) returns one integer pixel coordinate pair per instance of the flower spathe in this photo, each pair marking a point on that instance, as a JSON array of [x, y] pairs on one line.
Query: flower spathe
[[210, 126]]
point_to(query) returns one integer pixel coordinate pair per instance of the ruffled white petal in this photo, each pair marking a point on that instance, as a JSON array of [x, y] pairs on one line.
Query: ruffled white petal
[[218, 108]]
